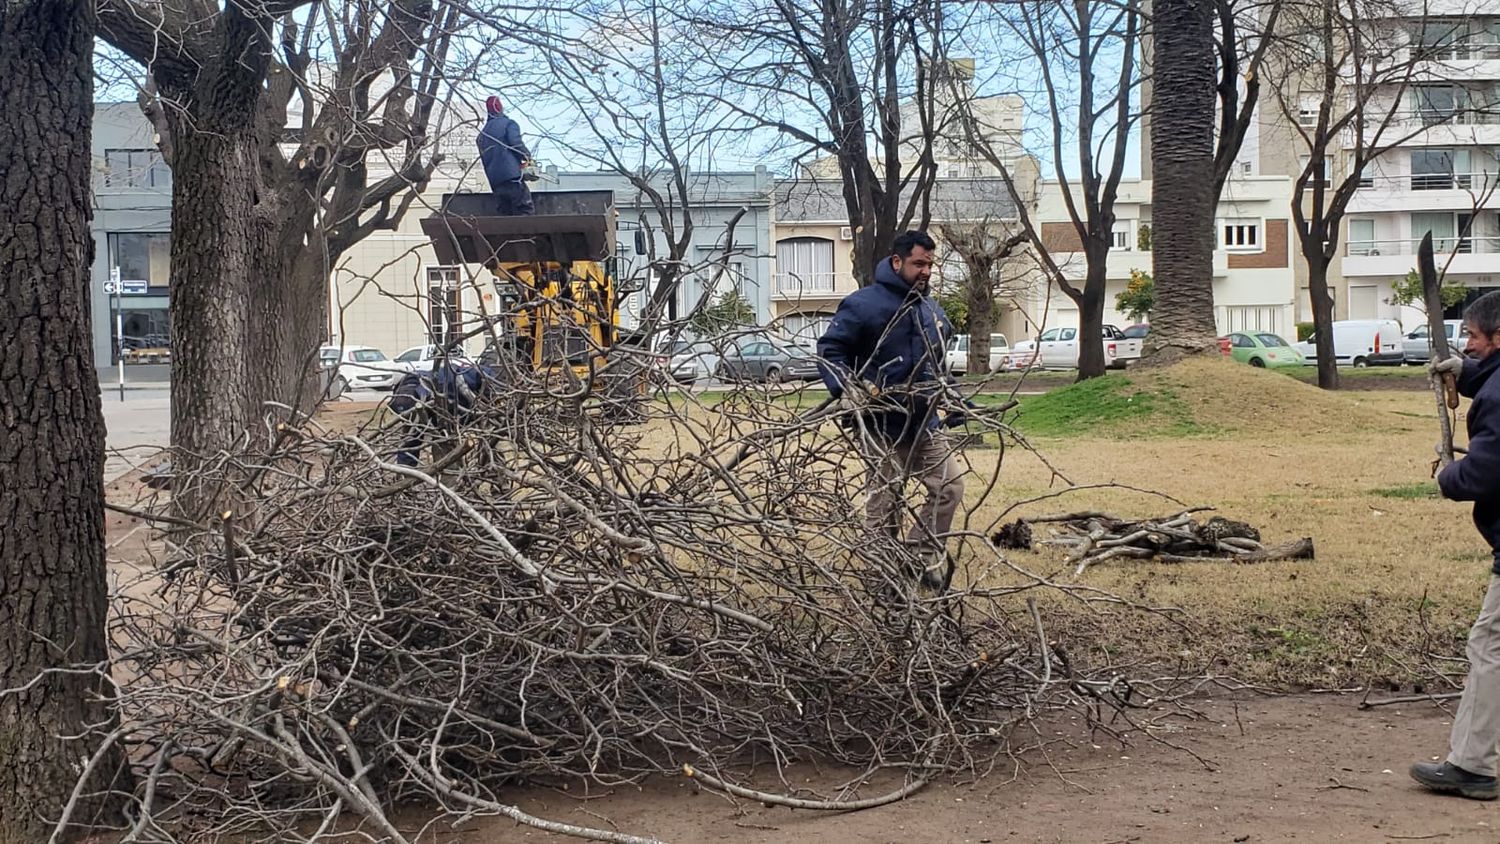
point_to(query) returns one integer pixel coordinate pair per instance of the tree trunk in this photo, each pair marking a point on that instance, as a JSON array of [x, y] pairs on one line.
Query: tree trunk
[[1091, 322], [288, 322], [981, 324], [1182, 151], [52, 584], [217, 254], [1322, 302]]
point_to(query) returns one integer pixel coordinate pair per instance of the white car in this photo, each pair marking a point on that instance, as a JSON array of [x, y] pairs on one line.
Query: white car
[[1416, 347], [695, 362], [1057, 348], [362, 367], [958, 353], [419, 358]]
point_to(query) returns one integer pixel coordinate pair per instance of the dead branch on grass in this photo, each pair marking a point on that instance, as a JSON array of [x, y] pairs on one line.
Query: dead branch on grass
[[1095, 537]]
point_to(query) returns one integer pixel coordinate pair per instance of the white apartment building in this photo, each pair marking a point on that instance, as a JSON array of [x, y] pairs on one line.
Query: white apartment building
[[1253, 281], [1443, 180]]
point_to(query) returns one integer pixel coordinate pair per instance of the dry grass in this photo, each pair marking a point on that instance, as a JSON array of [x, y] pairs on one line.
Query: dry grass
[[1399, 574]]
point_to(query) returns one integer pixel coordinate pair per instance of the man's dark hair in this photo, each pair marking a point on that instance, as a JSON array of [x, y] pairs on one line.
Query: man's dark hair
[[1485, 313], [910, 240]]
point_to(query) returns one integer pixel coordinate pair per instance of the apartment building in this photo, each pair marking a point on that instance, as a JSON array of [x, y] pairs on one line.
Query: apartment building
[[1443, 176], [1252, 262]]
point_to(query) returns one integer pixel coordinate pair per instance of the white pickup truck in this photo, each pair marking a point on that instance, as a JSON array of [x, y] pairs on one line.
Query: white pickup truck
[[1057, 348]]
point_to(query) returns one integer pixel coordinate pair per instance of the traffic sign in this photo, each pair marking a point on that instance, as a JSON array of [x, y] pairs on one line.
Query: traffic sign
[[111, 287], [133, 287]]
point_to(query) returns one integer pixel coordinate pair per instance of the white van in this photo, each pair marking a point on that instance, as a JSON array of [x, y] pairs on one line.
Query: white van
[[1361, 342]]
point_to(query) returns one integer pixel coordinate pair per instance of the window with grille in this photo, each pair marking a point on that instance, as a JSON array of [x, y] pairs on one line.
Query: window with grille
[[1240, 235], [804, 265]]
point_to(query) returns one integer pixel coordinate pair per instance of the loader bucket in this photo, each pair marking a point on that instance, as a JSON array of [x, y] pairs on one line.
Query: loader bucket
[[568, 226]]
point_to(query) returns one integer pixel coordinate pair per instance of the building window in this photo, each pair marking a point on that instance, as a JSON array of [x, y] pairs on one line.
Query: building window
[[1434, 104], [804, 265], [1362, 237], [444, 321], [1240, 235], [1122, 237], [805, 329], [142, 256], [136, 168], [1439, 169], [1317, 175]]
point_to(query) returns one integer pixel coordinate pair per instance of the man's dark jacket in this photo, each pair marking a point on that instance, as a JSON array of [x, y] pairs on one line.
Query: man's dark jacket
[[895, 338], [1476, 477], [501, 150]]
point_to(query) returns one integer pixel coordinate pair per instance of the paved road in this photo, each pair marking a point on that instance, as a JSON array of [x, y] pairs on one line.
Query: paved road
[[135, 428]]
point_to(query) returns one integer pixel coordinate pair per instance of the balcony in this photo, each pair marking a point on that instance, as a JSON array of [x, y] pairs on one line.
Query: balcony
[[1395, 258], [792, 286], [1424, 192]]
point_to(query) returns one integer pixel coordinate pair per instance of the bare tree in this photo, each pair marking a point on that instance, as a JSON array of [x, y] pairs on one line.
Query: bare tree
[[293, 131], [1348, 79], [1084, 59], [1184, 190], [52, 586], [847, 87], [634, 115], [985, 248]]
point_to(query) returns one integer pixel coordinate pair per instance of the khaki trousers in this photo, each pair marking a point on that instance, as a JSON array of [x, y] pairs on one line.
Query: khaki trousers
[[1475, 743], [930, 460]]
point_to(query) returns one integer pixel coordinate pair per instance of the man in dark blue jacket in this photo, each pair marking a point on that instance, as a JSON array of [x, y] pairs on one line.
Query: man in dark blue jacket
[[1474, 746], [504, 156], [883, 358], [432, 402]]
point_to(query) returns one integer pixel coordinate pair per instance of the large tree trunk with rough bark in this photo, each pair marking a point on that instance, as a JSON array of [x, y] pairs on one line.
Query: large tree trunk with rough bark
[[1182, 151], [52, 584], [288, 322], [219, 249], [1322, 305]]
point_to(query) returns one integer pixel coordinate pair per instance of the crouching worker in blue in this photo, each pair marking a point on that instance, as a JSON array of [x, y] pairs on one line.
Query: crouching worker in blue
[[883, 359], [431, 403], [1474, 745]]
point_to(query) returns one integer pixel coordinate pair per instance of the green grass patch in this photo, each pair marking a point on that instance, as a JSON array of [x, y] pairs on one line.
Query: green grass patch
[[1112, 405], [1409, 492]]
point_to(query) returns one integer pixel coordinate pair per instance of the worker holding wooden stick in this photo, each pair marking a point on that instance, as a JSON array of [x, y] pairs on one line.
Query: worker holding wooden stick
[[1474, 747]]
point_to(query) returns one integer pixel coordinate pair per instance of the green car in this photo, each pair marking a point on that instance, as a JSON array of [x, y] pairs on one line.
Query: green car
[[1263, 350]]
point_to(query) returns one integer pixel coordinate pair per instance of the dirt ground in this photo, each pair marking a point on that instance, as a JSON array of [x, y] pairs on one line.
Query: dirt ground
[[1298, 768]]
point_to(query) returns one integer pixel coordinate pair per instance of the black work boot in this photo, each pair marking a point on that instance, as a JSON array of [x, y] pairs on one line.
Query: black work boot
[[1448, 778]]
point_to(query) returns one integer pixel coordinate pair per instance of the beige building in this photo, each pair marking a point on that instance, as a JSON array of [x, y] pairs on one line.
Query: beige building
[[813, 268], [1253, 280]]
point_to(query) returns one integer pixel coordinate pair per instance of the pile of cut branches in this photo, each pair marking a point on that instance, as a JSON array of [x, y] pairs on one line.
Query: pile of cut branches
[[555, 594], [1094, 537]]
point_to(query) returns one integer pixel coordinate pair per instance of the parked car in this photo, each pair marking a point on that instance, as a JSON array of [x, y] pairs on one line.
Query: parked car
[[362, 367], [760, 360], [694, 362], [1361, 342], [958, 353], [1262, 350], [1416, 346], [1057, 348], [421, 357]]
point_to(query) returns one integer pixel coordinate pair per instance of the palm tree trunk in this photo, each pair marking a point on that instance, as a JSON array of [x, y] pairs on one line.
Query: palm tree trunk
[[1182, 151]]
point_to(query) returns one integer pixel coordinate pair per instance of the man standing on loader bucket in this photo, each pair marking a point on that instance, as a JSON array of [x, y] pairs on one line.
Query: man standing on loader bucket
[[883, 359], [504, 156]]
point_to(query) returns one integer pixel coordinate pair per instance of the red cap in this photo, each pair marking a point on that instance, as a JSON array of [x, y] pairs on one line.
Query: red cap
[[493, 105]]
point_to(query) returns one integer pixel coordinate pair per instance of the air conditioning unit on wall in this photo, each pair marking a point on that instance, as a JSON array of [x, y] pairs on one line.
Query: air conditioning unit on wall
[[846, 233]]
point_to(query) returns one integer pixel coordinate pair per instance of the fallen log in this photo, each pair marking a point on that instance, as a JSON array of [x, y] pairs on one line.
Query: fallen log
[[1091, 537]]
